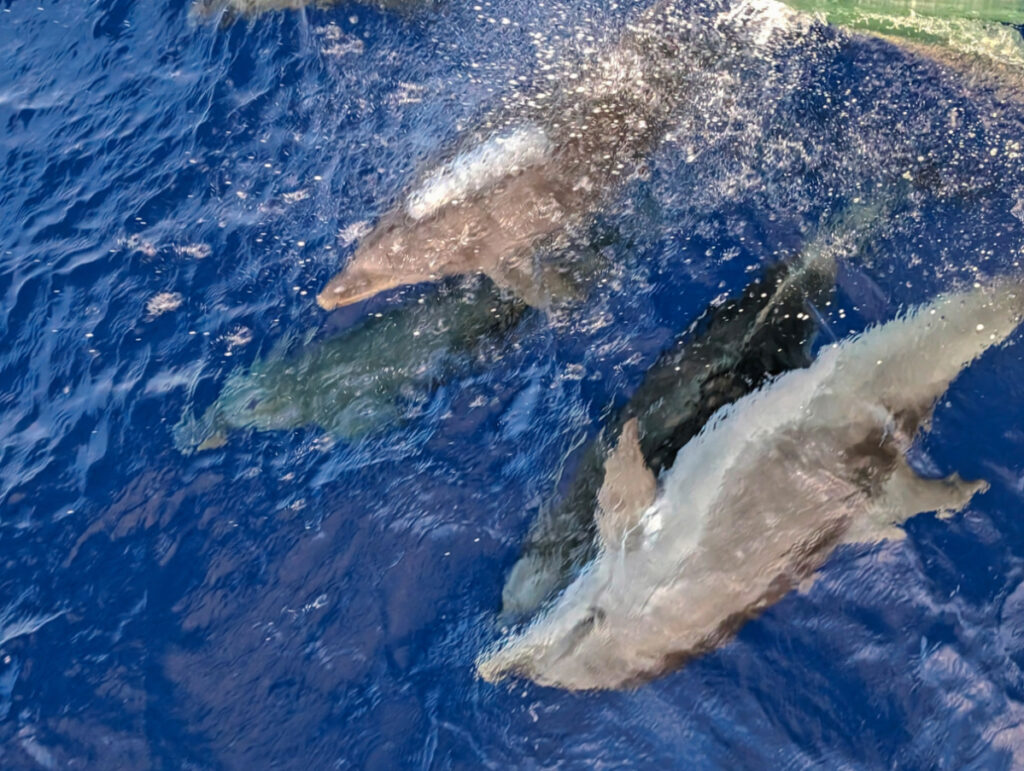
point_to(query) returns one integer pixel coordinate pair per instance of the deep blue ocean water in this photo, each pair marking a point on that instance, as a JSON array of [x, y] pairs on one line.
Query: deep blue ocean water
[[286, 602]]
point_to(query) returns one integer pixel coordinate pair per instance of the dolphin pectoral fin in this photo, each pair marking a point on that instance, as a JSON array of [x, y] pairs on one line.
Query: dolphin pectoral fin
[[192, 434], [527, 585], [907, 494], [628, 490], [913, 494], [805, 586], [543, 283]]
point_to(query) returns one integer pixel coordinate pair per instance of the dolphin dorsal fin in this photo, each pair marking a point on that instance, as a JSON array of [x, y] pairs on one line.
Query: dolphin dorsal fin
[[628, 490]]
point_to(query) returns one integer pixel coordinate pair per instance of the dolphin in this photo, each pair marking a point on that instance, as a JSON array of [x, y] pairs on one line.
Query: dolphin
[[509, 189], [367, 377], [538, 167], [733, 348], [486, 209], [759, 499]]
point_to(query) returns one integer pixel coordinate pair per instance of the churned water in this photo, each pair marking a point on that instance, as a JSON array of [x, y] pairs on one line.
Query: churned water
[[175, 192]]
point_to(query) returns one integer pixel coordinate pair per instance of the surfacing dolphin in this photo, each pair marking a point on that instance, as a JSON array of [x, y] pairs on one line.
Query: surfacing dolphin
[[533, 173], [758, 501], [376, 374], [505, 191], [731, 350]]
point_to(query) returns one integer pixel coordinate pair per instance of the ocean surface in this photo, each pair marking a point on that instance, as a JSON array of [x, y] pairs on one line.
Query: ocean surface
[[174, 194]]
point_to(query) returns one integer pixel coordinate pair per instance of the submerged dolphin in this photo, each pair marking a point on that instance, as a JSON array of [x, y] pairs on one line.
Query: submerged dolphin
[[731, 350], [758, 501], [372, 375]]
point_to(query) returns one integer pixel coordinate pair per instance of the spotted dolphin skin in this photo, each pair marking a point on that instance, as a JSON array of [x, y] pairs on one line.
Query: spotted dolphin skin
[[733, 349], [759, 499], [481, 212]]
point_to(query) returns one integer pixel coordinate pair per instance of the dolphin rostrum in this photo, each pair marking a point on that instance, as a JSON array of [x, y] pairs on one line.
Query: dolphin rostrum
[[731, 350], [366, 377], [759, 499]]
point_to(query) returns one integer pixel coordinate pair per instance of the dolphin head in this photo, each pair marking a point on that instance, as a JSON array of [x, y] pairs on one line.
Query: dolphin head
[[583, 640], [354, 284], [381, 262], [548, 644], [402, 250]]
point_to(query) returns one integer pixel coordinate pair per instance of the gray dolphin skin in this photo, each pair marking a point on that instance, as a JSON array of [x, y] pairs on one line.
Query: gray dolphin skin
[[731, 350], [508, 189], [367, 377], [759, 499]]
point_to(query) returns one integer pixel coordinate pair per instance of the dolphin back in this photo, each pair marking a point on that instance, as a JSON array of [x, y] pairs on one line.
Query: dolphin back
[[926, 348]]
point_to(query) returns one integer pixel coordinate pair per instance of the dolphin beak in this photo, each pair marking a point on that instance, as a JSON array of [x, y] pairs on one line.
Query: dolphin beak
[[350, 287]]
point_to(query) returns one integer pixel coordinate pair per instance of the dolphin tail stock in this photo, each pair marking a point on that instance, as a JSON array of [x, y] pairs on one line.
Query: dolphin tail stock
[[557, 273], [846, 232], [838, 237], [830, 256], [925, 349]]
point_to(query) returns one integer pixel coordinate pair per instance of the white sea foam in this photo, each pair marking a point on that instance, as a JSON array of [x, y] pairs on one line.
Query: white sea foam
[[163, 302], [477, 169], [763, 18]]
